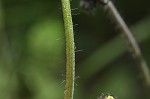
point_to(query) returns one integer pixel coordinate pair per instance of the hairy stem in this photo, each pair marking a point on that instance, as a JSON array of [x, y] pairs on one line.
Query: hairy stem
[[70, 50], [135, 50]]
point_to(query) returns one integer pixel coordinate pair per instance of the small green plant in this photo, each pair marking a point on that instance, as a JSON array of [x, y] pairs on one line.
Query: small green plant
[[89, 5]]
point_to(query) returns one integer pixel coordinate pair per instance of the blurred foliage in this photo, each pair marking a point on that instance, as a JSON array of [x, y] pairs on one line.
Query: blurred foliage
[[32, 47]]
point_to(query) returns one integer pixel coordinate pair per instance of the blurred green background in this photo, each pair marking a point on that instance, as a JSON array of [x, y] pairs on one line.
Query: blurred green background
[[32, 50]]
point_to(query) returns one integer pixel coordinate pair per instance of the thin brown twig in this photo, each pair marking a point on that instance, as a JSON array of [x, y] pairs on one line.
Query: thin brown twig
[[133, 45]]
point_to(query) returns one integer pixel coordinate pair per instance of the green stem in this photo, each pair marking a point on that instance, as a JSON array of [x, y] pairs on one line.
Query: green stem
[[70, 50]]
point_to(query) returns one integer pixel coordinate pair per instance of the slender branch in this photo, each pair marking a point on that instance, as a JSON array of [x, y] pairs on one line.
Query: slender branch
[[1, 23], [70, 50], [135, 50]]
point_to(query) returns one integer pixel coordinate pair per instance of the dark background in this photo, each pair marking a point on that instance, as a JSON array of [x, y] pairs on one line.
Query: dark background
[[32, 50]]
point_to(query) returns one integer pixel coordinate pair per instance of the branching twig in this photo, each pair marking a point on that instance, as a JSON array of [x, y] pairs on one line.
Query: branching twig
[[70, 50], [135, 50]]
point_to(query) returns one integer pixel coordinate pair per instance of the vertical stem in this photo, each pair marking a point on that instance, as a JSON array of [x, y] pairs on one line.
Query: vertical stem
[[1, 23], [135, 50], [70, 50], [5, 49]]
